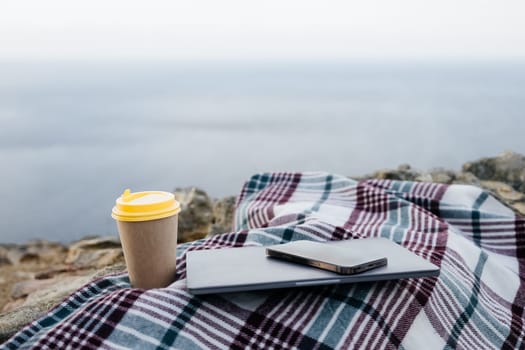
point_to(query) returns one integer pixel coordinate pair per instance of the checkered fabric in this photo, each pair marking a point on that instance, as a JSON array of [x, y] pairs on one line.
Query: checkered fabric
[[477, 302]]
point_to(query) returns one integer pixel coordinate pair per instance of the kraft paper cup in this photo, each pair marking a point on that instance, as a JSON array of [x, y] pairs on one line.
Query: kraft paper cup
[[147, 226]]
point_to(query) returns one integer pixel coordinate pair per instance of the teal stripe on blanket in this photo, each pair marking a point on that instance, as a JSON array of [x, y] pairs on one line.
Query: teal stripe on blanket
[[470, 307], [178, 323], [476, 232]]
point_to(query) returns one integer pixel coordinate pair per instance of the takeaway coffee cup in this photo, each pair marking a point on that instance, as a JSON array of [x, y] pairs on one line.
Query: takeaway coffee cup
[[147, 225]]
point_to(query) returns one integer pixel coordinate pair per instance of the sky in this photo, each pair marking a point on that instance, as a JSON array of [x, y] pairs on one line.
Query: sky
[[262, 30]]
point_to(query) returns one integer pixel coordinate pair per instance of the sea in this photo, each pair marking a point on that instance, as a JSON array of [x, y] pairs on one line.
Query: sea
[[74, 135]]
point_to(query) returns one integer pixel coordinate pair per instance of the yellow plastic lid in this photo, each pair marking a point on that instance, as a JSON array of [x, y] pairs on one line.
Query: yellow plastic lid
[[145, 206]]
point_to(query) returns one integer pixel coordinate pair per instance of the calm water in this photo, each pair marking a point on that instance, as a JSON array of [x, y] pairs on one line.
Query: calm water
[[73, 136]]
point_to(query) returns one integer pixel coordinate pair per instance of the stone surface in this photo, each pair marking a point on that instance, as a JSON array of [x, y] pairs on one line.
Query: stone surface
[[519, 207], [506, 194], [443, 176], [95, 252], [196, 214], [13, 304], [33, 251], [466, 178], [508, 167], [59, 288], [3, 255], [30, 299], [503, 191], [404, 172], [110, 270], [223, 210], [50, 273], [31, 286], [24, 288], [20, 312]]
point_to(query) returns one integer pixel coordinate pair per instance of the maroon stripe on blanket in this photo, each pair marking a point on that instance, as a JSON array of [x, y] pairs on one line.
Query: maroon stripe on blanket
[[427, 236], [293, 182], [427, 196], [282, 193], [366, 195], [517, 330], [313, 302], [194, 329], [261, 322], [89, 328], [457, 267], [278, 189], [377, 322], [390, 308], [281, 329], [363, 317]]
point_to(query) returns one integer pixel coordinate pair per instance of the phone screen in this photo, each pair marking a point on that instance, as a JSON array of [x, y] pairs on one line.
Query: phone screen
[[326, 257]]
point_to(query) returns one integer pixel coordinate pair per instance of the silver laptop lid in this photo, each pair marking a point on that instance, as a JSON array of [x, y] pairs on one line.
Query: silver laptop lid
[[248, 268]]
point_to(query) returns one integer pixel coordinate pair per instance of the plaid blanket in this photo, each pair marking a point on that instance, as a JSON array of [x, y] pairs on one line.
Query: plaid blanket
[[476, 303]]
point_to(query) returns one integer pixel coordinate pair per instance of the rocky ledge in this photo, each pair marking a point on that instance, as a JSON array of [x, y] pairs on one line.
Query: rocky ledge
[[39, 274]]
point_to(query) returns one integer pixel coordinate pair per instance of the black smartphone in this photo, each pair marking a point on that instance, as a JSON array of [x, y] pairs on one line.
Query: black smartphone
[[326, 256]]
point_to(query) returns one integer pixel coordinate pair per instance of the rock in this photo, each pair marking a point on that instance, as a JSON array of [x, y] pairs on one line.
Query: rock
[[508, 167], [13, 304], [466, 178], [32, 298], [223, 210], [404, 172], [3, 255], [20, 255], [24, 275], [443, 176], [61, 287], [503, 191], [506, 194], [196, 215], [38, 303], [53, 272], [33, 252], [110, 270], [36, 277], [12, 321], [423, 177], [95, 252], [24, 288], [520, 207]]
